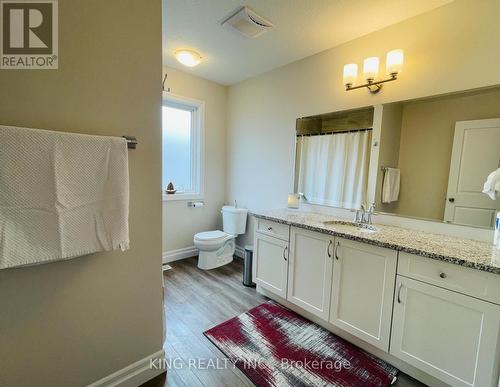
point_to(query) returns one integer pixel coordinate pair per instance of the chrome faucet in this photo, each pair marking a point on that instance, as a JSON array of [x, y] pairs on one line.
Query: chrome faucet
[[364, 217], [359, 215], [369, 213]]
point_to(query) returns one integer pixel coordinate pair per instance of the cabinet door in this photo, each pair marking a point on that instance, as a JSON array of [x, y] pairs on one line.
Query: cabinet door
[[310, 271], [271, 263], [446, 334], [363, 291]]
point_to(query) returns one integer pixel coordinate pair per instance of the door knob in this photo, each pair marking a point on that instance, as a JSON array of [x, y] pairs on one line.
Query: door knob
[[451, 200]]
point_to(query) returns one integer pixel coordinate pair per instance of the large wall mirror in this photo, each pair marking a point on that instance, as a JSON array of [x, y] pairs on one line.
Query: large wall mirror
[[426, 158]]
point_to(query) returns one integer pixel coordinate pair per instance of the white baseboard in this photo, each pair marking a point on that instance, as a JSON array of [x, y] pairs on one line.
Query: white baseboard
[[175, 255], [133, 375]]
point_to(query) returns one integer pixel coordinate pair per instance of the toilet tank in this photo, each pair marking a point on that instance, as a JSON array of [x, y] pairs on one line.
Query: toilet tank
[[234, 220]]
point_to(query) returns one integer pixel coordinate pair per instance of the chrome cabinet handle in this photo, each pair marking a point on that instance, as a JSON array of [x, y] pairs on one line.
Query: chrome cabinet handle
[[284, 252], [336, 251], [442, 275], [399, 292], [328, 249]]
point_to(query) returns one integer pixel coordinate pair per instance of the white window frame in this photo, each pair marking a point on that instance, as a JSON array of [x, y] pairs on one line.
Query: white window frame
[[197, 146]]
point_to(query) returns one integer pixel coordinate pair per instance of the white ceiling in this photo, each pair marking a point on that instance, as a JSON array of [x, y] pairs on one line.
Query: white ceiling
[[301, 28]]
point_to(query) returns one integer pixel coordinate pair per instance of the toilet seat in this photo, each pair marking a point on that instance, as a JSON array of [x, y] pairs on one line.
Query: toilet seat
[[212, 237]]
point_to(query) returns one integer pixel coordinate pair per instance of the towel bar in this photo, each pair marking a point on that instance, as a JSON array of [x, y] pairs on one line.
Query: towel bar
[[131, 142]]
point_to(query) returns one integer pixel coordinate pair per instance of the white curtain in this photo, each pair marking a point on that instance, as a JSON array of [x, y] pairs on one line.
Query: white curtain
[[333, 168]]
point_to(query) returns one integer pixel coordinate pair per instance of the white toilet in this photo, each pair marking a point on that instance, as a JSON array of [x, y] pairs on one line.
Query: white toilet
[[217, 247]]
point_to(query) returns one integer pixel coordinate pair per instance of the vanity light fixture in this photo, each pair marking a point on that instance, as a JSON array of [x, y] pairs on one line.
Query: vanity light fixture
[[393, 65], [188, 58]]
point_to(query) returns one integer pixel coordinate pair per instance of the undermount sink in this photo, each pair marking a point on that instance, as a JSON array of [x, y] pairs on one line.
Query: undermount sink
[[360, 226]]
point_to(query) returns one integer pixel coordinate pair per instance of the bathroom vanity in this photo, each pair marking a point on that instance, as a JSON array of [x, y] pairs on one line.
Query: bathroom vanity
[[431, 301]]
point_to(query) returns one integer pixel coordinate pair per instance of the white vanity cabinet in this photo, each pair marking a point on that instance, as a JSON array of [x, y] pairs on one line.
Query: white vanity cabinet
[[363, 291], [310, 271], [270, 266], [446, 321], [446, 334], [439, 317]]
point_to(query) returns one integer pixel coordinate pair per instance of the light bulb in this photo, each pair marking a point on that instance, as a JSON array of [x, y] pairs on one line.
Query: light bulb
[[350, 73], [370, 68], [394, 62], [188, 57]]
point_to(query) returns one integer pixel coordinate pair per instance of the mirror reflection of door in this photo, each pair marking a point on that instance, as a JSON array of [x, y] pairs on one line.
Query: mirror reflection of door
[[475, 154]]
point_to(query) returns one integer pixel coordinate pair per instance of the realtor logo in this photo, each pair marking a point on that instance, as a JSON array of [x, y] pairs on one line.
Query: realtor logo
[[29, 34]]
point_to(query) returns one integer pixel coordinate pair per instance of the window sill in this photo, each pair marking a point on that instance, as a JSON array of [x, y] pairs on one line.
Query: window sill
[[182, 196]]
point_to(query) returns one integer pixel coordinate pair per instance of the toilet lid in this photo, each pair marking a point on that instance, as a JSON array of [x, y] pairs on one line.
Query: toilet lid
[[211, 235]]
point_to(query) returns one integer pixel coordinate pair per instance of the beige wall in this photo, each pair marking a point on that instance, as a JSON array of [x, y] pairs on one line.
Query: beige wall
[[181, 222], [454, 47], [71, 323], [427, 132]]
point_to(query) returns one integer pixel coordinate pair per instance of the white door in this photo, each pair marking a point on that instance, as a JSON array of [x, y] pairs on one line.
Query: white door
[[363, 291], [475, 154], [310, 271], [271, 265], [446, 334]]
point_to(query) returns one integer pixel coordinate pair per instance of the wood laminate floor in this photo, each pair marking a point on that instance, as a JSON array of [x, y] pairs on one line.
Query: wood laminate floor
[[196, 300]]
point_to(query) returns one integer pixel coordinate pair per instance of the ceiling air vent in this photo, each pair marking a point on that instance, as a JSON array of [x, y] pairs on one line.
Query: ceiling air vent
[[247, 23]]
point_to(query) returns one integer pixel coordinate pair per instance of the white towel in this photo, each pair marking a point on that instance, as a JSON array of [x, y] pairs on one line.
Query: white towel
[[62, 195], [390, 187], [492, 184]]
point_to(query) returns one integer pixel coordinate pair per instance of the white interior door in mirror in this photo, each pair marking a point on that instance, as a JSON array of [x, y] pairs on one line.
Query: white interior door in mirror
[[475, 154]]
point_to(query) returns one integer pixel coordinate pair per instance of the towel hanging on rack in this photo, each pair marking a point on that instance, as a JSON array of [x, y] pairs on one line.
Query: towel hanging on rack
[[390, 186], [62, 195]]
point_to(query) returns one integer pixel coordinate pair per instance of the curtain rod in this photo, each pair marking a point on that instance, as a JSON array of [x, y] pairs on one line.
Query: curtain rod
[[334, 132]]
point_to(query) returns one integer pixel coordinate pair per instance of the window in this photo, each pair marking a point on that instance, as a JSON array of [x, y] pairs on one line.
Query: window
[[182, 147]]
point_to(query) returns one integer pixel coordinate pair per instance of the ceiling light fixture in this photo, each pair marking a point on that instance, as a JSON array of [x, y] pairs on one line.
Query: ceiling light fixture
[[188, 58], [393, 65]]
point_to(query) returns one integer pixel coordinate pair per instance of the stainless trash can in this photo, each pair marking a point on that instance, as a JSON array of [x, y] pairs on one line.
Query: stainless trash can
[[247, 266]]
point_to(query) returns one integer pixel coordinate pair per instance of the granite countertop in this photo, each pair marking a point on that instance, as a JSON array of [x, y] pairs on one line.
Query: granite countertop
[[464, 252]]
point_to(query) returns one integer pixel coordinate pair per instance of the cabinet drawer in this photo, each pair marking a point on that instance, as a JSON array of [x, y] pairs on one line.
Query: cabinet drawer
[[469, 281], [277, 230]]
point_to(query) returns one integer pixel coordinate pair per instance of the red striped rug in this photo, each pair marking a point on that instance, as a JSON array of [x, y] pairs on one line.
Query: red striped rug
[[274, 346]]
